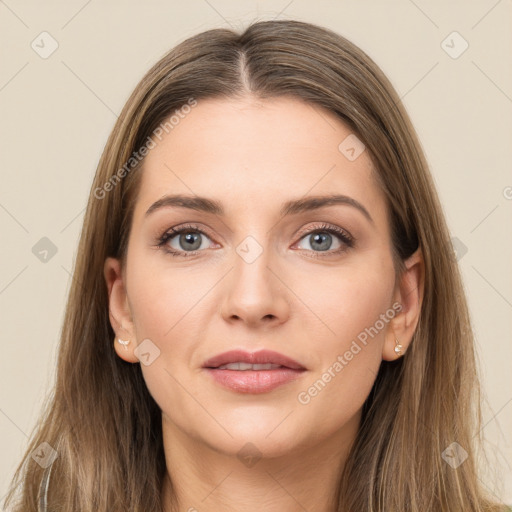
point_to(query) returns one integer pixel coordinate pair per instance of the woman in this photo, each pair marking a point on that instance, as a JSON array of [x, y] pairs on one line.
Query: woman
[[313, 349]]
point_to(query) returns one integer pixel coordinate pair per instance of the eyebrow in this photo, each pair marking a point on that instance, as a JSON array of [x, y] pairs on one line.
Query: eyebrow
[[293, 207]]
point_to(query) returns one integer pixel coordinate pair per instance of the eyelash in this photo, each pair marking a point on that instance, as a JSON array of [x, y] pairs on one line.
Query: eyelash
[[344, 237]]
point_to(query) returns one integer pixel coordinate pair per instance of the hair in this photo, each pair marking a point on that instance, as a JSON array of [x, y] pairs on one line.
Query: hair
[[100, 417]]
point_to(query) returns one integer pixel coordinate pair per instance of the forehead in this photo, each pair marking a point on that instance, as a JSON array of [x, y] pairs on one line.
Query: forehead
[[267, 151]]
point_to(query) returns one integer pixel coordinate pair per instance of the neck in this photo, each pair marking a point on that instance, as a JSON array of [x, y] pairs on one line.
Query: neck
[[205, 480]]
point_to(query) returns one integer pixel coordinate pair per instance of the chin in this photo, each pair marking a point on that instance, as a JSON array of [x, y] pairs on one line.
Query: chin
[[252, 444]]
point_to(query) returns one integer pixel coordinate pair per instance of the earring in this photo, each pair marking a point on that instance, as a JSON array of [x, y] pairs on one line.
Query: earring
[[124, 343], [398, 348]]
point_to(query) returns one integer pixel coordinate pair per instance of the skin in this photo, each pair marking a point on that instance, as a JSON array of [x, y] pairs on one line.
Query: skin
[[252, 156]]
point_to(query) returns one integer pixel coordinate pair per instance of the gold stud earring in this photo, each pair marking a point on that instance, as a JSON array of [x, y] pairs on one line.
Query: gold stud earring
[[398, 348]]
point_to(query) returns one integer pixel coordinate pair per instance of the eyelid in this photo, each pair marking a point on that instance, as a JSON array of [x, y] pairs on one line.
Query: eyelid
[[179, 229], [330, 228]]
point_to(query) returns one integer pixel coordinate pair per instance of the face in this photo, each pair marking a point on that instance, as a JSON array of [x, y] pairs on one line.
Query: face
[[314, 284]]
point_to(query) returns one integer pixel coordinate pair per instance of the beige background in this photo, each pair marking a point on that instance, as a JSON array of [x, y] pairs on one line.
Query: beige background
[[57, 113]]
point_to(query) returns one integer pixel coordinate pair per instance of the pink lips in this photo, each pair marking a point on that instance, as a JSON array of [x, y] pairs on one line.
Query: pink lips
[[253, 381]]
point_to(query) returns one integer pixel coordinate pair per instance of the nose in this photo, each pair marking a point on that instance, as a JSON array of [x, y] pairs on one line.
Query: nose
[[254, 293]]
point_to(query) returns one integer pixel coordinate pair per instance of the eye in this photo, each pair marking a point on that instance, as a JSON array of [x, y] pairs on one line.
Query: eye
[[183, 240], [188, 240], [321, 240]]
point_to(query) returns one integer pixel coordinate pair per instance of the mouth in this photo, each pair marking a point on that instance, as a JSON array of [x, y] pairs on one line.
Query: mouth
[[256, 372]]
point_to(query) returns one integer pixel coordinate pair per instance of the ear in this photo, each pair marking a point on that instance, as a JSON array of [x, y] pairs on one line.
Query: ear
[[409, 294], [119, 311]]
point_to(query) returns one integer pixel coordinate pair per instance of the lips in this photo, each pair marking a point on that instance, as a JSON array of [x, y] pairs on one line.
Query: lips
[[262, 357], [253, 372]]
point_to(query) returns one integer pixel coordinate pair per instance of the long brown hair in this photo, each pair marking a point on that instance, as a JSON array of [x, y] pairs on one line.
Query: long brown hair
[[101, 419]]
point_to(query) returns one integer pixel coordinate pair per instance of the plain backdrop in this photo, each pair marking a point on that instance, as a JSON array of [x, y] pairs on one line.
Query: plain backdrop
[[57, 110]]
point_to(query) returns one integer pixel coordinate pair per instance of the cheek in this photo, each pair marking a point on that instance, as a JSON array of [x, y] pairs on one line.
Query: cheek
[[344, 302], [166, 308], [171, 308], [162, 300], [356, 307]]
